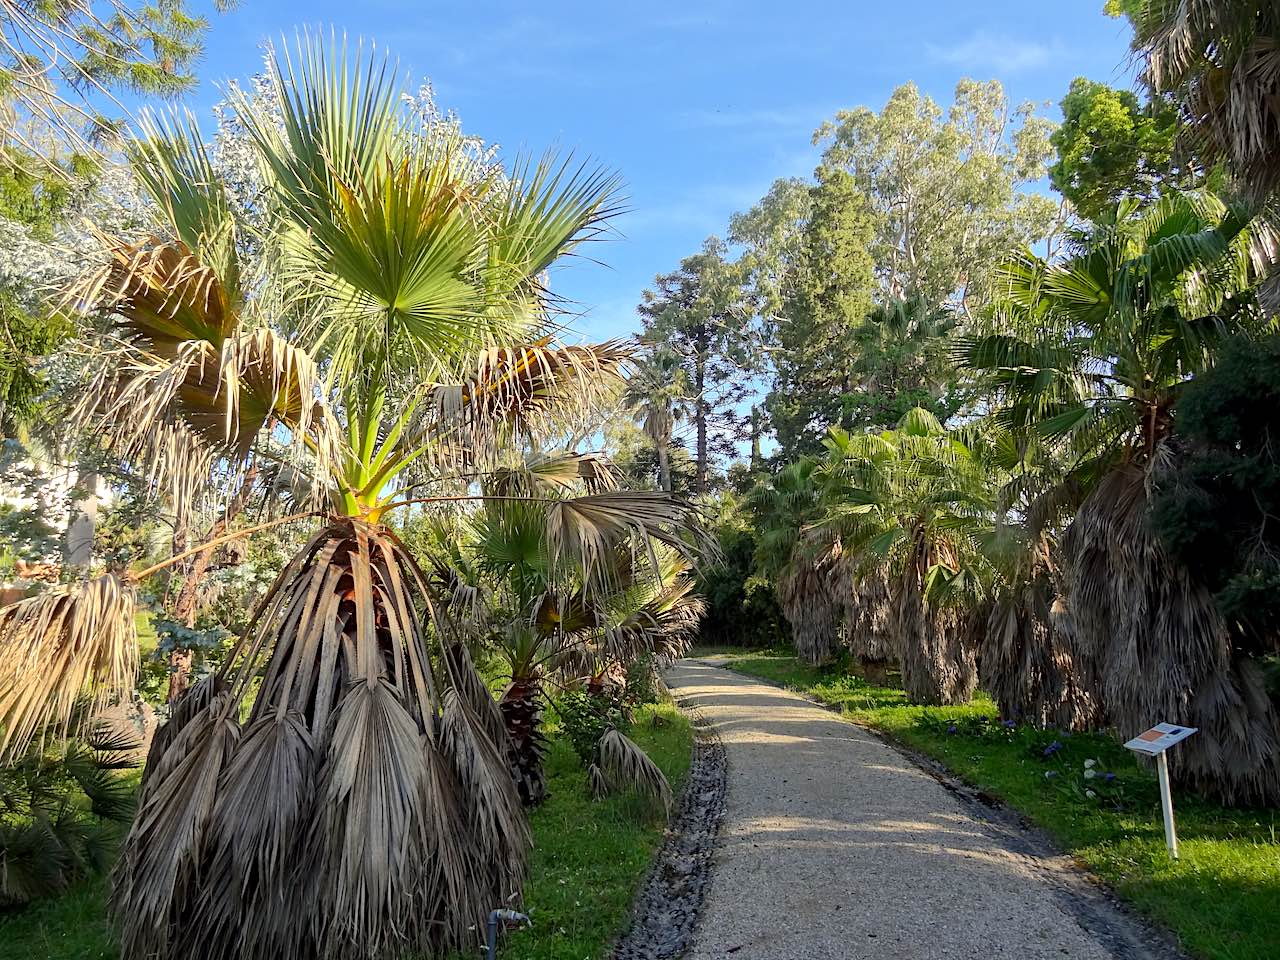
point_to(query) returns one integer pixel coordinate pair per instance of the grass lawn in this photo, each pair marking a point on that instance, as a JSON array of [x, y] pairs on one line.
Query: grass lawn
[[1222, 898], [588, 860]]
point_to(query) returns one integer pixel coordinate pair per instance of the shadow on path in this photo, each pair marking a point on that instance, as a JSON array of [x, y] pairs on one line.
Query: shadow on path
[[834, 845]]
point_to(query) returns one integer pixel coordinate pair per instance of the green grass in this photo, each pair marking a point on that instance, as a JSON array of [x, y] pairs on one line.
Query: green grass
[[588, 859], [1221, 899]]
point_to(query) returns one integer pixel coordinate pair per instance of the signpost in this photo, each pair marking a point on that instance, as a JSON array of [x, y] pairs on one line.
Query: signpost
[[1154, 743]]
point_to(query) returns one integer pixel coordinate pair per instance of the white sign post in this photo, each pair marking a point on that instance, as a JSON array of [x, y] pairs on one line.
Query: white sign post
[[1154, 743]]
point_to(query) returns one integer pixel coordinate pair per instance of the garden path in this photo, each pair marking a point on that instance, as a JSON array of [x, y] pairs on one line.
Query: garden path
[[834, 845]]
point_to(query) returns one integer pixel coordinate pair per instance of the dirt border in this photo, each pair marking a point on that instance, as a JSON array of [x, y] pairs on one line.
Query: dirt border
[[669, 903], [1085, 896]]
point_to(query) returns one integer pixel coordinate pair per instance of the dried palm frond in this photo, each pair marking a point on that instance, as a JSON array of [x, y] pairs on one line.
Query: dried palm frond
[[360, 796], [664, 625], [56, 646], [805, 596], [863, 597], [1221, 59], [939, 665], [191, 385], [1026, 659], [156, 883], [556, 474], [465, 679], [627, 768], [162, 295], [597, 784], [480, 762], [1162, 650], [528, 390], [179, 416], [588, 528]]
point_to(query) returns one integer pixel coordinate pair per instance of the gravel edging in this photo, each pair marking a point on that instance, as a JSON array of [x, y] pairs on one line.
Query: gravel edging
[[1082, 893], [669, 902]]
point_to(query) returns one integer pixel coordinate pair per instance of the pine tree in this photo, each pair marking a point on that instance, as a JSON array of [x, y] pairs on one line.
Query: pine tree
[[701, 314]]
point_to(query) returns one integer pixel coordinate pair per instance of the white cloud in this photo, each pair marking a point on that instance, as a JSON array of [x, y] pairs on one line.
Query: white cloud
[[983, 50]]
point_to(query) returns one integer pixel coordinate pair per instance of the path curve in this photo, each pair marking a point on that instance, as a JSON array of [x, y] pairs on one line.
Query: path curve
[[835, 846]]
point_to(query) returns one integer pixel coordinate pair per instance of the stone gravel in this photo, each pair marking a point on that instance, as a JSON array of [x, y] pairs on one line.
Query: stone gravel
[[835, 845], [666, 910]]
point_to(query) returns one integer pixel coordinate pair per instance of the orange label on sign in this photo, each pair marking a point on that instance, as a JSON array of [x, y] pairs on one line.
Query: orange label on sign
[[1151, 735]]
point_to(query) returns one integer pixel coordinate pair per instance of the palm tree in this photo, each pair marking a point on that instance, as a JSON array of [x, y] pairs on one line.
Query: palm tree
[[655, 392], [1096, 354], [334, 788], [784, 505], [899, 360], [912, 506], [563, 610], [1220, 59]]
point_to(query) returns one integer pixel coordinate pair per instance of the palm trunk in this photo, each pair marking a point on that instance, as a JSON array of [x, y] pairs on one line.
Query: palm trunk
[[664, 466], [939, 666], [521, 707]]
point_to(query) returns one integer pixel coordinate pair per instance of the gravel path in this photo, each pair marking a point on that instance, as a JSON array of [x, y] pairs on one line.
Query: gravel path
[[835, 846]]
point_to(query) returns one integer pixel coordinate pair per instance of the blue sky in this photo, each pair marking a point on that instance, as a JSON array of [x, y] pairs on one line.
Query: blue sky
[[698, 105]]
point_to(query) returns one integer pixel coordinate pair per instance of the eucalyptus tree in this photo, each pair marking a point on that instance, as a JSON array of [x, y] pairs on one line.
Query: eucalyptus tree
[[332, 789], [1095, 353], [912, 507], [951, 190]]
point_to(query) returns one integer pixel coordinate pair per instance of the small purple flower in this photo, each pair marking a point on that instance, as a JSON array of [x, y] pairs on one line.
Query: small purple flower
[[1052, 748], [1108, 777], [951, 729], [1010, 724]]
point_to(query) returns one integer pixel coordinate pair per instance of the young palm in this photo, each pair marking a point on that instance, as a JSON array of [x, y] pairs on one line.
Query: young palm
[[334, 789], [1097, 351], [654, 392], [565, 609]]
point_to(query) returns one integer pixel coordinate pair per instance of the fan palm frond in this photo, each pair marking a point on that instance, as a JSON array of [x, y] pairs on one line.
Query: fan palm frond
[[627, 768]]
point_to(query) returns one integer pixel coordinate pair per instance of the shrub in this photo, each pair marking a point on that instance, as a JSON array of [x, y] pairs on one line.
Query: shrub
[[62, 807], [585, 719]]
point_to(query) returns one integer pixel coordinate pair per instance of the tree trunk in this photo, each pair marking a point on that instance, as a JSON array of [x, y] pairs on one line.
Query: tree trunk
[[756, 458], [82, 522], [521, 706], [700, 414], [664, 465]]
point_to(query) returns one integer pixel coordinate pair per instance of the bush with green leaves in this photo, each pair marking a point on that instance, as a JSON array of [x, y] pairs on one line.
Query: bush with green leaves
[[644, 683], [63, 806], [585, 719]]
